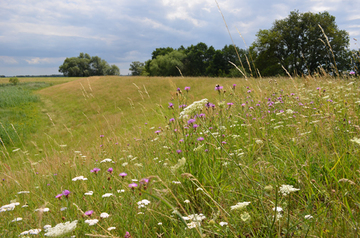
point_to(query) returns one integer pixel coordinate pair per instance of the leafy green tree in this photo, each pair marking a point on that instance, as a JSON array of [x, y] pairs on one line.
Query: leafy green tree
[[113, 70], [167, 65], [197, 59], [298, 44], [84, 65], [136, 68]]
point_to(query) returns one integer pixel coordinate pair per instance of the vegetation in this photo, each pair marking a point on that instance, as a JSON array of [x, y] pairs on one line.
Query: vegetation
[[268, 157], [14, 80], [301, 44], [136, 68], [84, 66]]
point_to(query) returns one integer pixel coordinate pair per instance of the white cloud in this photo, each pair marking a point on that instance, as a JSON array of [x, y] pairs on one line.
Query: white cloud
[[38, 60], [8, 60]]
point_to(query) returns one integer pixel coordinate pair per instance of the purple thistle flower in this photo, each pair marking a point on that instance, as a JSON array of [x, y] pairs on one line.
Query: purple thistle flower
[[110, 170], [89, 213], [172, 119], [182, 140], [95, 170], [230, 104], [200, 139], [202, 115], [249, 91], [224, 142], [234, 85], [123, 174], [352, 72], [171, 105], [127, 235], [144, 181], [218, 87], [195, 126], [191, 121], [66, 193], [101, 136], [178, 151], [59, 196], [178, 89], [187, 89], [133, 186], [157, 132]]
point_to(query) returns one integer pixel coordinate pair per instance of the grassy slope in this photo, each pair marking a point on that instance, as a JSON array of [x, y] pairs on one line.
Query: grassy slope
[[309, 149]]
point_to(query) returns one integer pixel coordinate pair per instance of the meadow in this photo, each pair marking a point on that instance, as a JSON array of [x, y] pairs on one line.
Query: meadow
[[181, 157]]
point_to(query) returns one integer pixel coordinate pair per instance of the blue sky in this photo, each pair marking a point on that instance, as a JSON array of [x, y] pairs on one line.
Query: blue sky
[[37, 35]]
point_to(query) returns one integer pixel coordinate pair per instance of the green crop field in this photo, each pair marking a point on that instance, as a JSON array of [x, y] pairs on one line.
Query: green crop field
[[180, 157]]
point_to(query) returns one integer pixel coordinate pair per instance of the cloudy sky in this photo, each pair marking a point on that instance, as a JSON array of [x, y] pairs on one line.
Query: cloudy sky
[[37, 35]]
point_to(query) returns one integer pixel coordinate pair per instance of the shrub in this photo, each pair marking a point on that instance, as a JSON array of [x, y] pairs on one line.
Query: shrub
[[14, 80]]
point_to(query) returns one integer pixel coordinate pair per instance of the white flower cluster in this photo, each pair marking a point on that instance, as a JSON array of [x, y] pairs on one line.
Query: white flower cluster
[[181, 162], [61, 229], [143, 203], [355, 140], [31, 232], [9, 207], [92, 222], [286, 189], [198, 148], [240, 206], [195, 220], [79, 178], [193, 108]]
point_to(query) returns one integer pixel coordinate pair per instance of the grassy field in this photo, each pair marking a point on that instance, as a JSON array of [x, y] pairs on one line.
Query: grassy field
[[150, 157]]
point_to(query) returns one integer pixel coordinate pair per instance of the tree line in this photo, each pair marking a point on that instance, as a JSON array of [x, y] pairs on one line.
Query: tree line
[[301, 44], [84, 65]]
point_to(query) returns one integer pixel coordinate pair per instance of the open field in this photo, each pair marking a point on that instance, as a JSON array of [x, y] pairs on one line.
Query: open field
[[121, 156]]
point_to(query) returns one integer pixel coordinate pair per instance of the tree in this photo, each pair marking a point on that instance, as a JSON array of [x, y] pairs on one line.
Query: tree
[[167, 65], [84, 65], [298, 44], [136, 68]]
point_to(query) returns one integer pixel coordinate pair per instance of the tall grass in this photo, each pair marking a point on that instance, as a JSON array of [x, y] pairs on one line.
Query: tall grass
[[221, 171]]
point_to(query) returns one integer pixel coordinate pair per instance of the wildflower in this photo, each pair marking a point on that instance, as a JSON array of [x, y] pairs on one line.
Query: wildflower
[[181, 162], [63, 209], [308, 217], [95, 170], [106, 160], [47, 227], [143, 203], [223, 223], [186, 201], [218, 87], [124, 164], [17, 219], [178, 151], [59, 196], [110, 170], [111, 228], [286, 189], [172, 119], [187, 89], [42, 210], [194, 107], [79, 178], [89, 213], [22, 192], [9, 207], [127, 235], [240, 206], [171, 105], [157, 132], [60, 229], [160, 223], [106, 195], [121, 191], [104, 215], [90, 193], [234, 85], [66, 193], [195, 126], [245, 216], [133, 186], [176, 182], [352, 72], [92, 222], [123, 174], [31, 232], [144, 181], [278, 209], [101, 136]]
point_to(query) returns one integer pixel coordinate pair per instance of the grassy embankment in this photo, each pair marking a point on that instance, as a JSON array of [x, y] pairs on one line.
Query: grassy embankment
[[277, 132]]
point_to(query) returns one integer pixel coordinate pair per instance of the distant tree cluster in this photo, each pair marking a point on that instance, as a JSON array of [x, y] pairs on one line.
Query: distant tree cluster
[[301, 44], [84, 65]]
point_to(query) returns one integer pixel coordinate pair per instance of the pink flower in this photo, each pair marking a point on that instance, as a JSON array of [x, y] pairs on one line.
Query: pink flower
[[123, 174], [95, 170], [89, 213]]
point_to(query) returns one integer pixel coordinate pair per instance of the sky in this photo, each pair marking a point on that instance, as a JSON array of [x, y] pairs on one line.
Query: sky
[[37, 35]]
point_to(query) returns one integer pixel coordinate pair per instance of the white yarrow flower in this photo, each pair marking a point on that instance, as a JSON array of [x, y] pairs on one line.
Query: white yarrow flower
[[22, 192], [31, 232], [223, 223], [106, 160], [111, 228], [104, 215], [79, 178], [308, 217], [90, 193], [92, 222], [106, 195], [60, 229], [286, 189], [240, 205], [194, 107], [143, 203], [17, 219]]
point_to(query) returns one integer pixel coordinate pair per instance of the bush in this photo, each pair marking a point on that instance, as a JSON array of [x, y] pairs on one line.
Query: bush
[[14, 80]]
